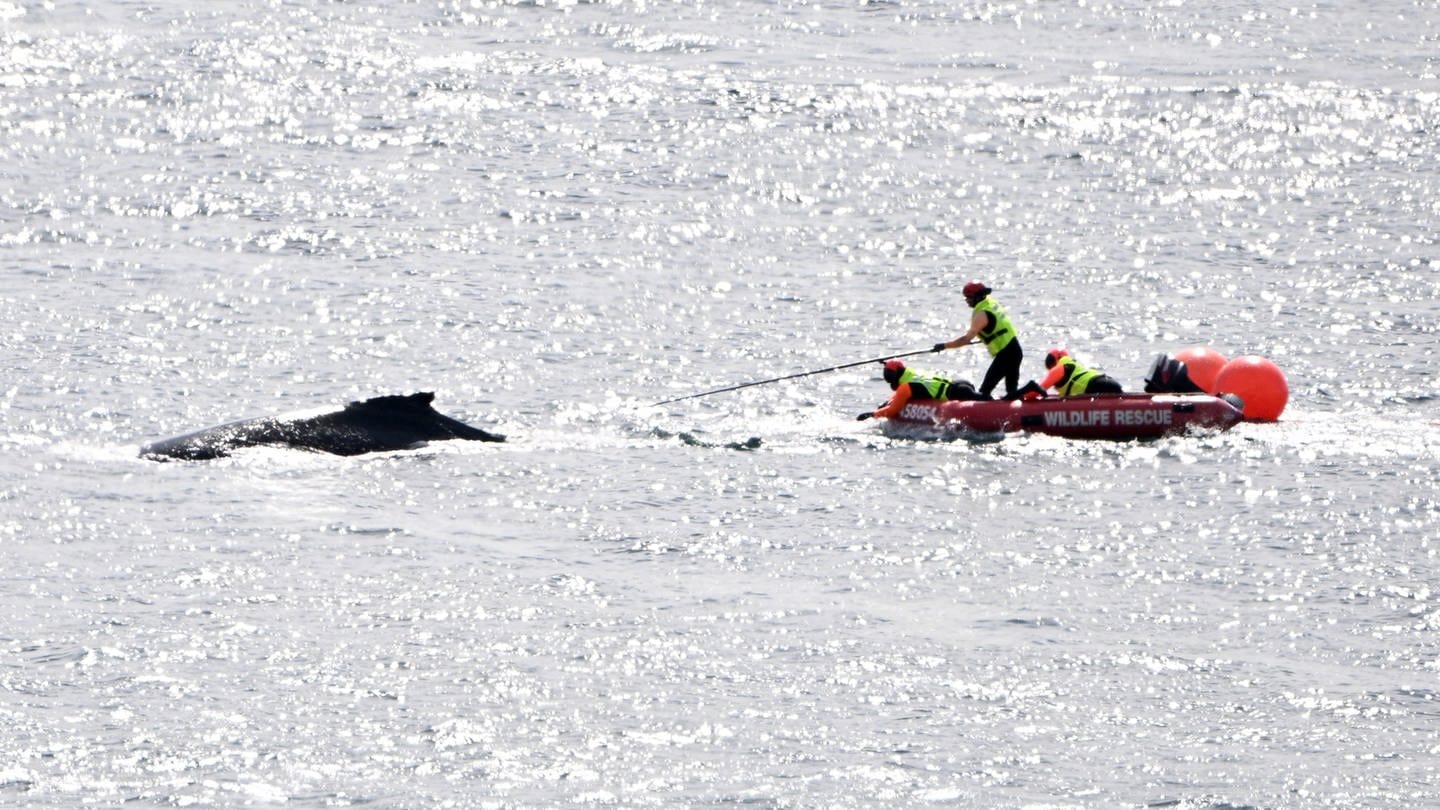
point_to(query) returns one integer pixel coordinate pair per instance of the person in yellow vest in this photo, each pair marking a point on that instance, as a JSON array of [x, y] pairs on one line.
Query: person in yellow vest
[[908, 385], [1070, 379], [991, 326]]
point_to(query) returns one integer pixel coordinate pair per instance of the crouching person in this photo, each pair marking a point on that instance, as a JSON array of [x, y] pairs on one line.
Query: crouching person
[[909, 385], [1071, 379]]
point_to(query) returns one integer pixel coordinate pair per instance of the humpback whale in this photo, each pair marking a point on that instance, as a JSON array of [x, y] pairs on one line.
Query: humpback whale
[[378, 424]]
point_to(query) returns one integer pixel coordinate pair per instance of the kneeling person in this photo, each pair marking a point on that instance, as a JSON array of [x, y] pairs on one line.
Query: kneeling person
[[908, 385], [1070, 379]]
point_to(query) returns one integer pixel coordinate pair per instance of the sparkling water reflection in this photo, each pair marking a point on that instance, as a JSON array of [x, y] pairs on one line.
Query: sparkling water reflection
[[554, 214]]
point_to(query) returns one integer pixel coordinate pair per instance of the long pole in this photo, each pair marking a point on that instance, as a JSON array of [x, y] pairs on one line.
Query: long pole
[[795, 376]]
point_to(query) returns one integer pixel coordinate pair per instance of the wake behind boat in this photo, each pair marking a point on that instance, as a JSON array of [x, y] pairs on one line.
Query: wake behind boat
[[1100, 416]]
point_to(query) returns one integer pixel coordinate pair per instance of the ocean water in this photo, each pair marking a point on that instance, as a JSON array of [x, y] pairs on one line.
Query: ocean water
[[554, 214]]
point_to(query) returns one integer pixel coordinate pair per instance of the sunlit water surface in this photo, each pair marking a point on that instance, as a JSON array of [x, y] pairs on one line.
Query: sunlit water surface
[[554, 214]]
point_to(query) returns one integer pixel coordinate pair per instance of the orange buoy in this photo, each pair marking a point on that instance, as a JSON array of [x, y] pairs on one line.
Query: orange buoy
[[1257, 381], [1203, 364]]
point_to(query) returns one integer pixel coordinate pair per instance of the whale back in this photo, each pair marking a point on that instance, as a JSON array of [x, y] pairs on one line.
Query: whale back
[[379, 424]]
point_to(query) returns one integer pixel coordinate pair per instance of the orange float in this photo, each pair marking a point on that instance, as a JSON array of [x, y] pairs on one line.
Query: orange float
[[1257, 381], [1203, 365]]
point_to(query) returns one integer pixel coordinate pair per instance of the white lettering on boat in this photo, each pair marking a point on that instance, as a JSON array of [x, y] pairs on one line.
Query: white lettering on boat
[[1137, 416], [1130, 417], [919, 413], [1077, 418]]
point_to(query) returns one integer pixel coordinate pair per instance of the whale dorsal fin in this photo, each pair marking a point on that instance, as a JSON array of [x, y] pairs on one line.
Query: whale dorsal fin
[[405, 402]]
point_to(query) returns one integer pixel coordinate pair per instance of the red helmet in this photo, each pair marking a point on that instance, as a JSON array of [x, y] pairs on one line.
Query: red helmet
[[975, 289], [893, 370], [1053, 356]]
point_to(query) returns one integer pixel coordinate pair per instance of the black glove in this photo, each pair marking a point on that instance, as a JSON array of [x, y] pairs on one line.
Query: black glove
[[939, 347], [862, 417]]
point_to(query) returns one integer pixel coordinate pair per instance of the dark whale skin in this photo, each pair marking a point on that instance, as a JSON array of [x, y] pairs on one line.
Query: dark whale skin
[[379, 424]]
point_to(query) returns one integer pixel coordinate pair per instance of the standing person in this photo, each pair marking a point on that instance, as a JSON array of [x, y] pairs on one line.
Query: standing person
[[991, 326], [908, 385], [1070, 379]]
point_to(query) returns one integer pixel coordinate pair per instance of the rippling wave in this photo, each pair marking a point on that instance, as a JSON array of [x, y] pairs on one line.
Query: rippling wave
[[557, 213]]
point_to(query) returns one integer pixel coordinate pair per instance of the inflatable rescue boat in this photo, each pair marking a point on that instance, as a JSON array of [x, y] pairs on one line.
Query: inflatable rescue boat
[[1098, 416]]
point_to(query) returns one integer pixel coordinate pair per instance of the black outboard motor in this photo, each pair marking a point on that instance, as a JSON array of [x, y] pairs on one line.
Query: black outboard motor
[[1169, 376]]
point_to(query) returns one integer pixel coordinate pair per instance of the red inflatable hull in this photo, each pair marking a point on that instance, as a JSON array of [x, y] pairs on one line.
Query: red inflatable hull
[[1101, 416]]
